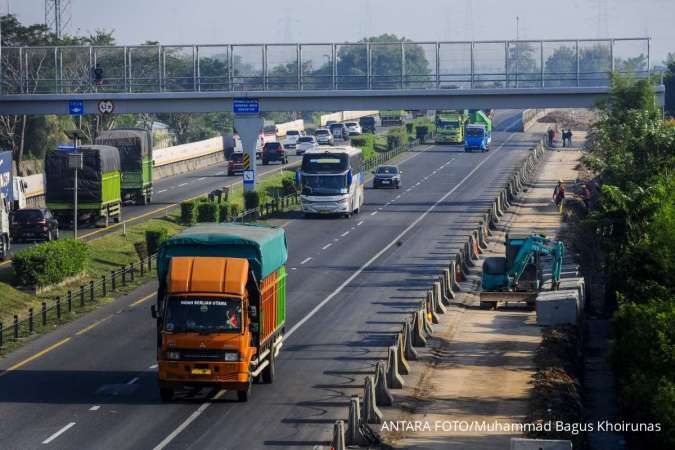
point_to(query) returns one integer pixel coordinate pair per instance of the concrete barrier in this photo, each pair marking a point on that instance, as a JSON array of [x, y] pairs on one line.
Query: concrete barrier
[[383, 396], [355, 435], [339, 441], [394, 380], [409, 352], [418, 334], [371, 413], [448, 294], [403, 366], [557, 307], [436, 297], [431, 307]]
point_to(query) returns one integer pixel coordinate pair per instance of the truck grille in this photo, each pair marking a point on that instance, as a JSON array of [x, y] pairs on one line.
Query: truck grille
[[202, 354]]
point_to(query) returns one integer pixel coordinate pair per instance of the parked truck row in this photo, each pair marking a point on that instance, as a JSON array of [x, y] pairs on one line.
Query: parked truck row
[[473, 128]]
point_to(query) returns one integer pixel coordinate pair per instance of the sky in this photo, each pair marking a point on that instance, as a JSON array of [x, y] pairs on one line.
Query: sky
[[265, 21]]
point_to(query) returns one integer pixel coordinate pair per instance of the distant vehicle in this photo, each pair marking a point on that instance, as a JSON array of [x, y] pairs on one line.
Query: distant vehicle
[[339, 131], [135, 149], [330, 122], [367, 124], [331, 181], [274, 151], [478, 133], [450, 126], [392, 117], [99, 194], [33, 224], [235, 165], [221, 308], [6, 197], [324, 136], [353, 128], [387, 176], [306, 143], [291, 139], [4, 228]]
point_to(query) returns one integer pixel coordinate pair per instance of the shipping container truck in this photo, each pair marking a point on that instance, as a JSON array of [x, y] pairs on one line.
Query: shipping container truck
[[99, 197], [135, 148], [221, 307], [450, 126]]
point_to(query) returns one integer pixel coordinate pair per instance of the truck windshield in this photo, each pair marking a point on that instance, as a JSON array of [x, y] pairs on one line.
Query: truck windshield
[[324, 184], [478, 132], [202, 315], [448, 124]]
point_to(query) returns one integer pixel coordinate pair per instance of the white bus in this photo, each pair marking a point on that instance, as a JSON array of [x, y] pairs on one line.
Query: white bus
[[331, 181]]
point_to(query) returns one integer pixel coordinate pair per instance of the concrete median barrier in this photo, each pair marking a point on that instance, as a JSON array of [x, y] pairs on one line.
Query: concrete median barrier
[[437, 294], [409, 351], [394, 379], [355, 435], [431, 307], [418, 334], [455, 275], [339, 441], [426, 318], [371, 413], [448, 293], [403, 365], [383, 396]]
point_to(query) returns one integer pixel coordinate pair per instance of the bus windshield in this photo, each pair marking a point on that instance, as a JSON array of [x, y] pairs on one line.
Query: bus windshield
[[186, 314], [325, 163], [324, 184]]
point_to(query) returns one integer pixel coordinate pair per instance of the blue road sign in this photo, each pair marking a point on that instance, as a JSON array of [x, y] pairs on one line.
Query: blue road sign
[[246, 105], [67, 148], [249, 177], [6, 175], [75, 107]]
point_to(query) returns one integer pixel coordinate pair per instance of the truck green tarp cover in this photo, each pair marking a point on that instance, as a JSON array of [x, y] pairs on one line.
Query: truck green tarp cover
[[132, 144], [263, 246], [59, 178]]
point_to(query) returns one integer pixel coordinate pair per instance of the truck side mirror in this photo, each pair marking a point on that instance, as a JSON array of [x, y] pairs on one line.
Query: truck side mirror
[[254, 327], [153, 311], [297, 178], [252, 311]]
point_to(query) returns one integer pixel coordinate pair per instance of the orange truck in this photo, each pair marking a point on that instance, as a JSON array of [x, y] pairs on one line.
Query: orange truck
[[221, 307]]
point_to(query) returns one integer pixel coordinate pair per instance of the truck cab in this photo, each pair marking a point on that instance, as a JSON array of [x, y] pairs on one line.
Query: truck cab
[[476, 138]]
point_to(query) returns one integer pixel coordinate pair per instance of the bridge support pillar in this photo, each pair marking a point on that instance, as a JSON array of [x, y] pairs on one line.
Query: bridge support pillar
[[249, 126]]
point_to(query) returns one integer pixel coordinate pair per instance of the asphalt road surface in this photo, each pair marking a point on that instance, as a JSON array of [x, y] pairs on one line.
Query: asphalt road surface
[[351, 282]]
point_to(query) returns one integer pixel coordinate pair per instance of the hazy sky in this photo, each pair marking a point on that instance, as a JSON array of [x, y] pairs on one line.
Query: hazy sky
[[253, 21]]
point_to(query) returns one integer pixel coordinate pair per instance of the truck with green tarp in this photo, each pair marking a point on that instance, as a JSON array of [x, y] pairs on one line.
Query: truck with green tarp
[[450, 125], [135, 148], [221, 307], [98, 185], [392, 117]]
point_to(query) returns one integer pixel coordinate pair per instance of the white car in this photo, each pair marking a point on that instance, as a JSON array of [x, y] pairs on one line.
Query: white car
[[305, 143], [291, 139], [324, 136], [354, 128]]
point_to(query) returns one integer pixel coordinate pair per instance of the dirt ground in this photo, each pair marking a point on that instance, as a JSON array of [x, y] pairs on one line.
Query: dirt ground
[[576, 119], [478, 368]]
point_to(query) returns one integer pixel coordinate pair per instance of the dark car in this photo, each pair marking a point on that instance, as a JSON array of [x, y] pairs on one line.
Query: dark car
[[274, 151], [235, 164], [387, 176], [339, 131], [33, 224], [367, 124]]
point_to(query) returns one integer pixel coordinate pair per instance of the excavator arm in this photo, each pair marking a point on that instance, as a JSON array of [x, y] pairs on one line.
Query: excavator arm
[[533, 245]]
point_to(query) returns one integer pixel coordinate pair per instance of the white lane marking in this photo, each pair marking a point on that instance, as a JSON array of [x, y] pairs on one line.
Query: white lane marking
[[294, 268], [182, 184], [326, 246], [133, 380], [202, 178], [390, 244], [163, 190], [379, 209], [59, 433], [167, 440], [408, 190], [373, 213], [220, 173], [95, 408], [344, 234], [417, 184], [154, 366], [398, 196], [358, 224], [306, 260]]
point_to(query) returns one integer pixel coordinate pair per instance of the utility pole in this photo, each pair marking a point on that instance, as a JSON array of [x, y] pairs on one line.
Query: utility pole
[[517, 46], [57, 16]]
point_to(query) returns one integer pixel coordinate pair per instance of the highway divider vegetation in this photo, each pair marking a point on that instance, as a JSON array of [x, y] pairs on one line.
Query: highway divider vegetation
[[50, 262], [632, 225]]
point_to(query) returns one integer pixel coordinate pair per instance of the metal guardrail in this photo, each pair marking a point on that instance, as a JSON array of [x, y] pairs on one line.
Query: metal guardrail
[[320, 66]]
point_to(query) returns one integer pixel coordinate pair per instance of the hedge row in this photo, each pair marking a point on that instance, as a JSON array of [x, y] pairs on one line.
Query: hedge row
[[50, 262], [202, 210]]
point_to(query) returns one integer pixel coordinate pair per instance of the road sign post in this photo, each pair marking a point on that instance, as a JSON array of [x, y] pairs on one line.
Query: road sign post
[[75, 107], [75, 163], [248, 125]]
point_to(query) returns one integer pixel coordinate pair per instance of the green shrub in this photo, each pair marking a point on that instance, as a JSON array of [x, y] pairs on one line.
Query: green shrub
[[187, 213], [251, 200], [234, 211], [154, 238], [207, 212], [359, 141], [50, 262], [409, 128], [393, 141], [224, 214], [288, 186], [421, 132]]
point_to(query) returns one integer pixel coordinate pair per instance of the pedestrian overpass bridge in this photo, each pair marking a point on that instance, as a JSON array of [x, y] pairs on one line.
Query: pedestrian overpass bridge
[[317, 76]]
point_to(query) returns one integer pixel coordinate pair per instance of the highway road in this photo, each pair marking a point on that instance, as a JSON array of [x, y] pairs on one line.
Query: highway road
[[91, 384]]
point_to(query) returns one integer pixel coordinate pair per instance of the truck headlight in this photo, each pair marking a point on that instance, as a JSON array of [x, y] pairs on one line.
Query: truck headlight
[[173, 355], [231, 356]]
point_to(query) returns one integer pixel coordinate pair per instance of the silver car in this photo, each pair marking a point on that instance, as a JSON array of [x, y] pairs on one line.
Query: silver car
[[305, 143], [324, 136]]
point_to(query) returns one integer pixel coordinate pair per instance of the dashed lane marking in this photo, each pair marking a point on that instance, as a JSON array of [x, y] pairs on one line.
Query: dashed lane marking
[[95, 408], [59, 433], [326, 246], [306, 260]]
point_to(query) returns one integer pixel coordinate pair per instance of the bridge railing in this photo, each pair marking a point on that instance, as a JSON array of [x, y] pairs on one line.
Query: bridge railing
[[346, 66]]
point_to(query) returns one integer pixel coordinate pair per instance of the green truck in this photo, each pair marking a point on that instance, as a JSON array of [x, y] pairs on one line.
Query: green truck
[[221, 307], [450, 126], [135, 147], [392, 117], [98, 185]]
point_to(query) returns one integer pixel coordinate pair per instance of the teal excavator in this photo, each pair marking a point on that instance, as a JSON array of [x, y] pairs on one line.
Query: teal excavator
[[518, 276]]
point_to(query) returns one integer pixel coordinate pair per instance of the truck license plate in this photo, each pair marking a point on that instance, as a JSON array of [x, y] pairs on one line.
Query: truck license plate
[[197, 371]]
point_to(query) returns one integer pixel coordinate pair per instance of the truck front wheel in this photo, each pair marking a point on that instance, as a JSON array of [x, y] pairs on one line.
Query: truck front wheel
[[166, 394], [244, 395]]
